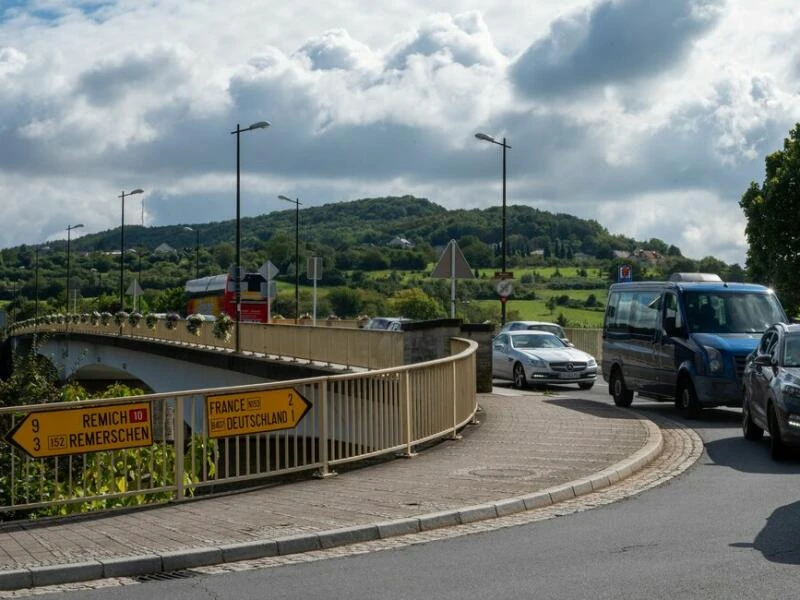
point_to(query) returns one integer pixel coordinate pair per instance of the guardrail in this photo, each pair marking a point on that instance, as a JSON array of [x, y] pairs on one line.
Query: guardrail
[[350, 417], [347, 345]]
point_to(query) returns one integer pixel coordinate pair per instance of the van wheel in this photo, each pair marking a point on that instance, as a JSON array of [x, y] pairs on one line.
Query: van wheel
[[621, 394], [519, 377], [686, 400], [750, 430], [777, 449]]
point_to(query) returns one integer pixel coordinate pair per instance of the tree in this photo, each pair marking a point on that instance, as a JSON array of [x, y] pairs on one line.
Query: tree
[[345, 302], [171, 300], [415, 304], [772, 231]]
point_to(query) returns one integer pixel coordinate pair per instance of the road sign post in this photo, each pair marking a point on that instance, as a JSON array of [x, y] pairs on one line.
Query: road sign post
[[453, 264], [314, 273]]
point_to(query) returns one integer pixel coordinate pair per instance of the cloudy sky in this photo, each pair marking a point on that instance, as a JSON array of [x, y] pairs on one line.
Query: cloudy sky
[[651, 117]]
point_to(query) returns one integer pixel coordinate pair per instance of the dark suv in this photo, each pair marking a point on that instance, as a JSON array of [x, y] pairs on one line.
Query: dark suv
[[772, 389]]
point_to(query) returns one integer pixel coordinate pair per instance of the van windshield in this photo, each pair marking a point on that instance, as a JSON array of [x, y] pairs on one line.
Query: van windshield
[[721, 312]]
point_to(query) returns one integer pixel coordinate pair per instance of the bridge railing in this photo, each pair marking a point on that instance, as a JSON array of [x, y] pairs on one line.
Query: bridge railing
[[341, 345], [349, 417]]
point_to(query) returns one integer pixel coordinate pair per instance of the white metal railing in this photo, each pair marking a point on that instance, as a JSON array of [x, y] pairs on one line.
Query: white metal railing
[[351, 417]]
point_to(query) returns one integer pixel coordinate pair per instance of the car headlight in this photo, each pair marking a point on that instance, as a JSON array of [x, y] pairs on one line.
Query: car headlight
[[591, 363], [791, 391], [536, 362], [714, 360]]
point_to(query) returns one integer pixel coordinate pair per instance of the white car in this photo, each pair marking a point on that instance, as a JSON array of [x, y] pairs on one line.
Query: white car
[[386, 323], [553, 328], [530, 357]]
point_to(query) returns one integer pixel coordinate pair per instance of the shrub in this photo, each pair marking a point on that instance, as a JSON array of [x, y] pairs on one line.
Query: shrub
[[194, 323], [222, 327], [151, 321]]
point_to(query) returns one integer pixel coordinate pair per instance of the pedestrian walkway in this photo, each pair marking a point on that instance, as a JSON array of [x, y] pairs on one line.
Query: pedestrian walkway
[[528, 450]]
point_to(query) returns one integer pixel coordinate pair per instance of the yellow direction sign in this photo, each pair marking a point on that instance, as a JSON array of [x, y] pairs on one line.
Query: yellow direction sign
[[79, 430], [255, 412]]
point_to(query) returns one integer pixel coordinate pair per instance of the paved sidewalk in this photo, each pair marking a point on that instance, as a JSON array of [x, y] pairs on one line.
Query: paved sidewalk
[[529, 450]]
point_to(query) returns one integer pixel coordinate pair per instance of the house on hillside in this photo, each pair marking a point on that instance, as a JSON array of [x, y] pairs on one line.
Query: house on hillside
[[648, 256], [164, 249], [400, 242]]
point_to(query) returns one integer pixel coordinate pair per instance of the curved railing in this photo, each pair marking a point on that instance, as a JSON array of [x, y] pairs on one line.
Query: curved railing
[[339, 342], [350, 417]]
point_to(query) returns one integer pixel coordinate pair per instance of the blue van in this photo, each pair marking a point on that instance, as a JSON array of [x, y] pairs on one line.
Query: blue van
[[684, 340]]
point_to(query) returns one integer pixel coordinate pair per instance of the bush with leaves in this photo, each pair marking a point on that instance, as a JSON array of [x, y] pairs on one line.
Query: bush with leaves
[[96, 473]]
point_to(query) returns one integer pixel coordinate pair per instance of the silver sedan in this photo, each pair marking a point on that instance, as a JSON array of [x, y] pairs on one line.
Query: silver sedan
[[537, 358]]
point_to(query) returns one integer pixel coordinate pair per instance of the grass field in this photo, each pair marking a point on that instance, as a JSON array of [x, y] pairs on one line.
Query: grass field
[[536, 310]]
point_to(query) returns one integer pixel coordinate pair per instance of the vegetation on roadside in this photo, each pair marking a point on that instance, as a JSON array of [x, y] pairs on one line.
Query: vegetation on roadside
[[112, 473]]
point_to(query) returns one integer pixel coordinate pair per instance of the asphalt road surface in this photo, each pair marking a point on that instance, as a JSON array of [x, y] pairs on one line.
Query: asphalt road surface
[[728, 527]]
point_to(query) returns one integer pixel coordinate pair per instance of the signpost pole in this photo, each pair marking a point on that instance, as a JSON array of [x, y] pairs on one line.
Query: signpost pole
[[453, 283]]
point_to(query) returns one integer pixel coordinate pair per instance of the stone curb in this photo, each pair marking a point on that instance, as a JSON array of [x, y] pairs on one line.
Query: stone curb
[[149, 564]]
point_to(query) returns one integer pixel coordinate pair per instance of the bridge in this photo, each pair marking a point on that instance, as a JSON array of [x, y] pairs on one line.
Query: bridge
[[294, 399]]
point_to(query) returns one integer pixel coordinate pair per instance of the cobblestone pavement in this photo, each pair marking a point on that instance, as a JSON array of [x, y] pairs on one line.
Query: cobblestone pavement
[[524, 444]]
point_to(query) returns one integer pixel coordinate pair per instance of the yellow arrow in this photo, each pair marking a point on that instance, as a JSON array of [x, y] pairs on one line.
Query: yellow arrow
[[79, 430], [255, 412]]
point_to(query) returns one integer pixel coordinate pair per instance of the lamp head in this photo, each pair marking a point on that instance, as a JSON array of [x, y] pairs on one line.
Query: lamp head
[[484, 137], [136, 191], [259, 125]]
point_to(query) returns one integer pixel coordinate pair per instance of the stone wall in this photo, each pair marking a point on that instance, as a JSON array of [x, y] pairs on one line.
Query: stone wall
[[429, 340]]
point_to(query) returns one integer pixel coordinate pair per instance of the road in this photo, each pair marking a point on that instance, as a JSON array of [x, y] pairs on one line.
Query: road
[[725, 528]]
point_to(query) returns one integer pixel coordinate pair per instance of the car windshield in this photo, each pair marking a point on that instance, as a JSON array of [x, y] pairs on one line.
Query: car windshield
[[791, 351], [721, 312], [541, 340], [554, 329]]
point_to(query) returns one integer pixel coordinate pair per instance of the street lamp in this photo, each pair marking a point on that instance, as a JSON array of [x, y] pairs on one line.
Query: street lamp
[[297, 204], [122, 247], [36, 299], [237, 267], [504, 145], [69, 232], [196, 251]]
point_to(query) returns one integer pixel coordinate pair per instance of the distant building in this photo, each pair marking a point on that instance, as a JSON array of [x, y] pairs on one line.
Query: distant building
[[621, 254], [164, 249], [649, 256], [400, 242]]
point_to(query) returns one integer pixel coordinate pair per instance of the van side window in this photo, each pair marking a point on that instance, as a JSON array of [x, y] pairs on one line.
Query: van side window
[[618, 312], [644, 312]]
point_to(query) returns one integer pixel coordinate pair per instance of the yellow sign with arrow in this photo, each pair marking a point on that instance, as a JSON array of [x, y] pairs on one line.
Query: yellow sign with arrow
[[77, 430], [255, 412]]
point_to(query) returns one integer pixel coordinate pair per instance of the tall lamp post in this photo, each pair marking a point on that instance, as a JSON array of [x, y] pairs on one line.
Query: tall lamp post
[[196, 251], [297, 204], [122, 247], [237, 266], [36, 299], [69, 232], [504, 145]]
